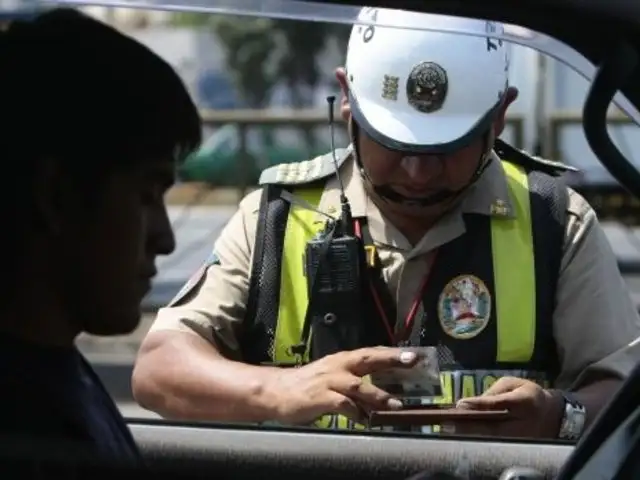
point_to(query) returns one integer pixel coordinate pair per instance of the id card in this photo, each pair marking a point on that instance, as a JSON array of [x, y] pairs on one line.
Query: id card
[[419, 382]]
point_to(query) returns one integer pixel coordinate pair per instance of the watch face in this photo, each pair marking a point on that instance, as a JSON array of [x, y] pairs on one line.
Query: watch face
[[573, 420]]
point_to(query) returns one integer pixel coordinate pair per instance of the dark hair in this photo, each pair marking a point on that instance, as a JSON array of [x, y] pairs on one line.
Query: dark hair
[[78, 91]]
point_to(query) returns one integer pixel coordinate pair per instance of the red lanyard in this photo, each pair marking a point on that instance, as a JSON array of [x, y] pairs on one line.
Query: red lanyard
[[403, 335]]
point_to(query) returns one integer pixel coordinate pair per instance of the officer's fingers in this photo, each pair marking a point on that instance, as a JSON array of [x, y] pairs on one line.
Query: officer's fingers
[[374, 398], [504, 385], [363, 392], [499, 388], [499, 401], [339, 404], [370, 360]]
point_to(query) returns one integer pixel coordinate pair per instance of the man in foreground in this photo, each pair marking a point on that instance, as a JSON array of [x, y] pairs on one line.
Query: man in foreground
[[93, 125]]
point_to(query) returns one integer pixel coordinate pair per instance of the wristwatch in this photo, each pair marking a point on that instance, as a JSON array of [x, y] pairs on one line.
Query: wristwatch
[[573, 418]]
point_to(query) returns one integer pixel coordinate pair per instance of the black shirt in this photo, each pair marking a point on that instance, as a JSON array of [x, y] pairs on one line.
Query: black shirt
[[53, 393]]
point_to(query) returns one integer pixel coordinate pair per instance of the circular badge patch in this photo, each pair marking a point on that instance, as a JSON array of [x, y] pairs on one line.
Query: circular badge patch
[[427, 87], [464, 307]]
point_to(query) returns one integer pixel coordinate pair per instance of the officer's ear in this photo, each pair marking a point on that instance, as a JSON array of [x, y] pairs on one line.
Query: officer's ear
[[345, 108], [500, 122]]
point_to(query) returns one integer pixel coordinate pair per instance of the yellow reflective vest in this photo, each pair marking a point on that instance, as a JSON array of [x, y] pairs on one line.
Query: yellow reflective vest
[[507, 265]]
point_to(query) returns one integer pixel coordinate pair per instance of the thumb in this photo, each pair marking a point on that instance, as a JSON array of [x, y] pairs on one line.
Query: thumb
[[500, 401]]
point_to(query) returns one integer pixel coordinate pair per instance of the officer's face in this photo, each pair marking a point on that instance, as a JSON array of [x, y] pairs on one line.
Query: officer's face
[[419, 176], [111, 263]]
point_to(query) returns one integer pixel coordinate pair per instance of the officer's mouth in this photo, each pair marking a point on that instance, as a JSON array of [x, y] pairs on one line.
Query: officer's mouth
[[413, 193]]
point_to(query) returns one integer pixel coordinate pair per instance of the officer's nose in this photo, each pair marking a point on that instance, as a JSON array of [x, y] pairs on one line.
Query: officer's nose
[[423, 168]]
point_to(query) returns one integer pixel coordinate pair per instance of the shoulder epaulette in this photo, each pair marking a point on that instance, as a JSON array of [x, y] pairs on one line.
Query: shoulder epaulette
[[520, 157], [308, 171]]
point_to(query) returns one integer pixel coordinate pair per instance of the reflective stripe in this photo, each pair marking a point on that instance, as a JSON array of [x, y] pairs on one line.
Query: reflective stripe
[[514, 273], [294, 297]]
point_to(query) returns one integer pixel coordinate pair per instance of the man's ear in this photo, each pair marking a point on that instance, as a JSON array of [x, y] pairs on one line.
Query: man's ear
[[50, 197], [345, 108]]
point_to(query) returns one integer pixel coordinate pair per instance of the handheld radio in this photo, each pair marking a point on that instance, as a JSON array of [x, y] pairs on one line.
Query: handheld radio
[[333, 267]]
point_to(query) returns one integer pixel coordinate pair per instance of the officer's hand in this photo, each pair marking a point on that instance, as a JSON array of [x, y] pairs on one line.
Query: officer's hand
[[334, 385], [535, 412]]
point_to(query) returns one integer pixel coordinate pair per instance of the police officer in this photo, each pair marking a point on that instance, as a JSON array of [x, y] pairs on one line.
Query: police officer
[[481, 250]]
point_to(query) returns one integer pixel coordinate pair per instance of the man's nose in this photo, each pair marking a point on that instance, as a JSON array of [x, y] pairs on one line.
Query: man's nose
[[422, 168], [163, 239]]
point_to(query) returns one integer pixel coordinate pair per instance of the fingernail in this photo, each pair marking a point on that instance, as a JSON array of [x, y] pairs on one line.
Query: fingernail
[[394, 404], [407, 357]]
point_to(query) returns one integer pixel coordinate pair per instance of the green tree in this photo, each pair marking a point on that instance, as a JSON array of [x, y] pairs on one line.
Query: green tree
[[248, 46], [262, 52]]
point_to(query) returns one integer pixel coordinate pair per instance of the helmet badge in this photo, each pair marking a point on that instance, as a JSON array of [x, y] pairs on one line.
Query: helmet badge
[[427, 87], [390, 87]]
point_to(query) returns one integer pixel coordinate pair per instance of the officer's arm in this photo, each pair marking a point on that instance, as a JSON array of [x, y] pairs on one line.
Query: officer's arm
[[596, 325], [184, 368]]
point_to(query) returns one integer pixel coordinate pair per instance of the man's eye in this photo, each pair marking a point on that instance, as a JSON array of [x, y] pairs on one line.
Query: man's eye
[[149, 197]]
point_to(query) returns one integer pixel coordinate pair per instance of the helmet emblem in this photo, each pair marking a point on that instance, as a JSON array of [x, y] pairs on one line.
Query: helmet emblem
[[427, 87], [390, 87]]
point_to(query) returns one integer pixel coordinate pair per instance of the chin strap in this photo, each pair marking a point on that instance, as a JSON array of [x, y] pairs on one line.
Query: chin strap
[[389, 195]]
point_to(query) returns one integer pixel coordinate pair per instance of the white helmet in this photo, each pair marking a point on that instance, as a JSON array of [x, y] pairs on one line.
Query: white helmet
[[420, 90]]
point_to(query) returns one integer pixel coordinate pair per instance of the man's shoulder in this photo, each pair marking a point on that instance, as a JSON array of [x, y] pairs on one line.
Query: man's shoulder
[[24, 410], [305, 172]]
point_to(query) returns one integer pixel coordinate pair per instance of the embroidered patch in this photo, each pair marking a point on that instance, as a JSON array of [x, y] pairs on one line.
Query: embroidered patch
[[196, 279], [464, 307], [213, 259]]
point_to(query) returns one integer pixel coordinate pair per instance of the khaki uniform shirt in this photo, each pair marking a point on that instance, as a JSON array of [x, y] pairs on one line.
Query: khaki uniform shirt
[[595, 324]]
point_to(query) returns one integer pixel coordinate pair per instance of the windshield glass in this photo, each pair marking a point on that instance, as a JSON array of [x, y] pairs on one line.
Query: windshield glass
[[260, 72], [344, 14]]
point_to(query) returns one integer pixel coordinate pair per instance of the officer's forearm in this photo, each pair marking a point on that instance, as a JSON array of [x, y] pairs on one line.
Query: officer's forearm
[[597, 395], [180, 376]]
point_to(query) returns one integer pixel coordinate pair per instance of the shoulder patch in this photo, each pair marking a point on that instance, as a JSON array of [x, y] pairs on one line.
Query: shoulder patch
[[213, 259], [308, 171], [195, 281]]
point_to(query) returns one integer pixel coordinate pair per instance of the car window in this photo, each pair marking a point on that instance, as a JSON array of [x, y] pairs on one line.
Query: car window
[[244, 97]]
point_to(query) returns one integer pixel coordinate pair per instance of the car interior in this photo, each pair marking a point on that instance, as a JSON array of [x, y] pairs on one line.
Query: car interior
[[607, 34]]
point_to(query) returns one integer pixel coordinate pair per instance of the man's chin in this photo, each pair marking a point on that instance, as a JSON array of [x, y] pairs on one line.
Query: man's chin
[[118, 323]]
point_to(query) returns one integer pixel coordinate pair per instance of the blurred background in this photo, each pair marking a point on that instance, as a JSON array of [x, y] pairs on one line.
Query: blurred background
[[261, 85]]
